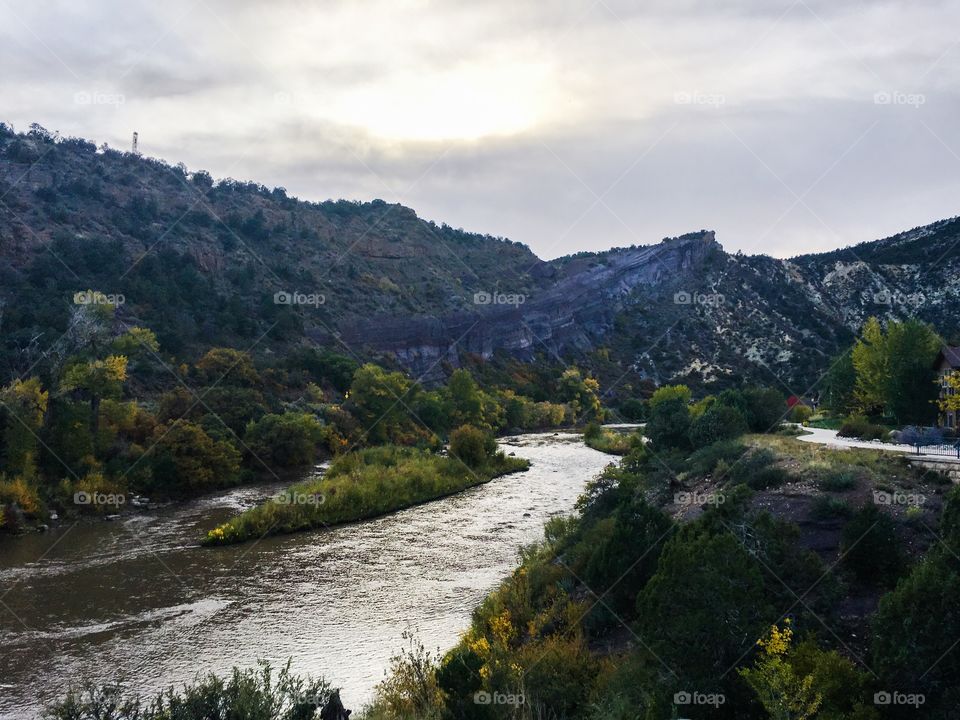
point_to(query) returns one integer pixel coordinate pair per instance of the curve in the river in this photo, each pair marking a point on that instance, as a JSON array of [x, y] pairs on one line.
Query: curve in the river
[[137, 602]]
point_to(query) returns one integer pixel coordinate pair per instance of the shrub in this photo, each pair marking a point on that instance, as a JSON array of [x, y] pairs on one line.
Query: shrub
[[288, 440], [825, 507], [719, 422], [772, 476], [857, 426], [249, 694], [411, 689], [187, 460], [801, 413], [634, 409], [669, 424], [472, 446], [870, 549], [756, 470], [669, 393], [839, 480], [766, 408], [704, 461], [915, 631]]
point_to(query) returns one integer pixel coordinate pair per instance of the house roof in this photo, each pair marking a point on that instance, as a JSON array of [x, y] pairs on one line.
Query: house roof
[[951, 354]]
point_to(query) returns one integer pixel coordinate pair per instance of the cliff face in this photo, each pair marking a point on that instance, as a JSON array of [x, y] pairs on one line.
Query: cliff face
[[572, 315]]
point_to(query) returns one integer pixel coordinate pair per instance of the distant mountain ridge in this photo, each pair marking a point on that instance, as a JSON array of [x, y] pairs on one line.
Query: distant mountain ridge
[[207, 263]]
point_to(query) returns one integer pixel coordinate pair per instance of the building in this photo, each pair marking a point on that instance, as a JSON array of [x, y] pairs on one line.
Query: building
[[947, 363]]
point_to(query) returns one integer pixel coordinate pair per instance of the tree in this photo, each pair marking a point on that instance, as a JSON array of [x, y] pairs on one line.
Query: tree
[[669, 392], [135, 342], [669, 423], [96, 380], [582, 394], [869, 356], [187, 460], [379, 400], [226, 366], [623, 552], [717, 423], [914, 634], [472, 446], [894, 370], [708, 594], [765, 409], [911, 392], [25, 405], [465, 400], [784, 693], [839, 384], [288, 440]]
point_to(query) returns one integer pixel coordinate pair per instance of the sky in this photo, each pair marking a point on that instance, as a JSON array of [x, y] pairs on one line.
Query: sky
[[786, 127]]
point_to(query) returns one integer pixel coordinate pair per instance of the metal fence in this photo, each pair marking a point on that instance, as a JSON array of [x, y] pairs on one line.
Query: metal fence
[[946, 449]]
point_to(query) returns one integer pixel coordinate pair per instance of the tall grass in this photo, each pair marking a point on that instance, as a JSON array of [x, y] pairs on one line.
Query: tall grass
[[360, 485]]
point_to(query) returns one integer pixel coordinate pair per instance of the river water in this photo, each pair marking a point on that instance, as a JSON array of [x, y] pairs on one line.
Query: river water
[[138, 602]]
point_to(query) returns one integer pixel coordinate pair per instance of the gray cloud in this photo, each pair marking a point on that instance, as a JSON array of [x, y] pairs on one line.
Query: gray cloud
[[785, 126]]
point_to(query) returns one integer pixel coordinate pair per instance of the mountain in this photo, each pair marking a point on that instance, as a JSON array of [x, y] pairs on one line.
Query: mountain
[[238, 264]]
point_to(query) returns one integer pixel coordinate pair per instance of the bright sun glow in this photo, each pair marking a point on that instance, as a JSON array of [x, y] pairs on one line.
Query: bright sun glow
[[462, 103]]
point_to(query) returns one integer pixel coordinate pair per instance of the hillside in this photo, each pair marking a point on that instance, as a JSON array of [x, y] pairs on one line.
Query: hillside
[[201, 263]]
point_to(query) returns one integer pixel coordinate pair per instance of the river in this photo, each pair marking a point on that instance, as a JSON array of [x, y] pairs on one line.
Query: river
[[137, 602]]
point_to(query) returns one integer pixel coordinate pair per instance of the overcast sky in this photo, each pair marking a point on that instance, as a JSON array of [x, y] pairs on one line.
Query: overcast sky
[[787, 127]]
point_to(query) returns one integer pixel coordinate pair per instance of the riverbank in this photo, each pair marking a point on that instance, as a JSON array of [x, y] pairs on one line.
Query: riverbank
[[139, 594], [360, 486]]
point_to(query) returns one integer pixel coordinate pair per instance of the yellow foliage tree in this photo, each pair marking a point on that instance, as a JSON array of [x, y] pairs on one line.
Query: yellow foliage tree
[[783, 692]]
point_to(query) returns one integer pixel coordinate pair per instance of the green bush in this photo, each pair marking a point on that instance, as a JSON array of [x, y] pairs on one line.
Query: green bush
[[719, 422], [915, 631], [669, 424], [870, 548], [837, 480], [472, 446], [288, 440], [857, 426], [248, 694], [801, 413], [704, 461]]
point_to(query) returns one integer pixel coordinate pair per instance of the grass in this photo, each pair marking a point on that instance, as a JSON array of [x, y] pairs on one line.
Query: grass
[[358, 486], [826, 507], [837, 480], [824, 458], [610, 441]]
